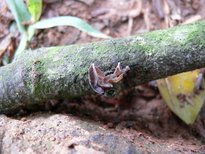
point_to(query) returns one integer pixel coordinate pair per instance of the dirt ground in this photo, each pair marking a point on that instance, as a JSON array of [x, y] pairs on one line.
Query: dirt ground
[[140, 112]]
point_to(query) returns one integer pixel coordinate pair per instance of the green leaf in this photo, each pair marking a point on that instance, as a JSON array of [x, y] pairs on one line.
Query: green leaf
[[20, 13], [66, 21], [35, 8]]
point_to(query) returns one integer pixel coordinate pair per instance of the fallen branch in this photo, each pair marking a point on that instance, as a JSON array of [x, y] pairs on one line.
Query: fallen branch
[[62, 72]]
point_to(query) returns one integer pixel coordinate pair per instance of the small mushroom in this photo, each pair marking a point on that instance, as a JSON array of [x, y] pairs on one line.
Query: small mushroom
[[97, 79], [118, 74], [100, 82]]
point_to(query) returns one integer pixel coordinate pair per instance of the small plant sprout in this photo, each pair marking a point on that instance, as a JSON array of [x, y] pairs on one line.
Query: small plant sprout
[[27, 17]]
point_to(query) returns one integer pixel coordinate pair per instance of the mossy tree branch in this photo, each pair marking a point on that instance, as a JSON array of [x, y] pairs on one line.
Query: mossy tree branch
[[62, 72]]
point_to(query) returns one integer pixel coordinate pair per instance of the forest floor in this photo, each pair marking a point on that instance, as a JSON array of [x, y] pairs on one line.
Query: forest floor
[[138, 115]]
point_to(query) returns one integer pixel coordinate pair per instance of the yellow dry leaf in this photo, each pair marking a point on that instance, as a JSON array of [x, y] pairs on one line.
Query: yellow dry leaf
[[182, 95]]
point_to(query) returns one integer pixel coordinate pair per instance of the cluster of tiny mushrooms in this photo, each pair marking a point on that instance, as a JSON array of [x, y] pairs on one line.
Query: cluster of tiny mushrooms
[[100, 82]]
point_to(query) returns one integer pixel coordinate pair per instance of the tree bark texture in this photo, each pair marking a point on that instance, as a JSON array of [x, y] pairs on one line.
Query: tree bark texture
[[62, 72]]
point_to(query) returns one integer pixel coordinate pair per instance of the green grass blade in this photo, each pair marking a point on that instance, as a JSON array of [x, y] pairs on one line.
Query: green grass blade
[[22, 45], [67, 21], [20, 13]]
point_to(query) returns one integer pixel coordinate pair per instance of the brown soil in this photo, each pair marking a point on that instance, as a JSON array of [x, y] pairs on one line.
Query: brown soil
[[139, 112]]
